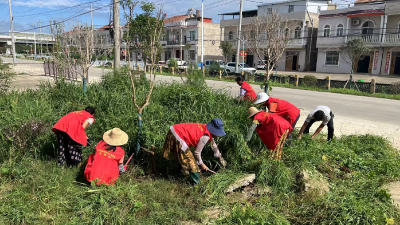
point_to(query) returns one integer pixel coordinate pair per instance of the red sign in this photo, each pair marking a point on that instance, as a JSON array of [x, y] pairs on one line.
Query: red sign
[[387, 62], [376, 60]]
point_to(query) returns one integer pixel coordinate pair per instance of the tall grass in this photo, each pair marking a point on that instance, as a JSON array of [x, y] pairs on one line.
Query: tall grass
[[33, 190]]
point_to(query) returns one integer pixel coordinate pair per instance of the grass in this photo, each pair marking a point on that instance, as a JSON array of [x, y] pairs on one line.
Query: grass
[[34, 190], [301, 87]]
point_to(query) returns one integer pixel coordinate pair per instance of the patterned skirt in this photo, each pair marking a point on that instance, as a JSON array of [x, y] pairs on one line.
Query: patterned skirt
[[172, 151], [69, 152]]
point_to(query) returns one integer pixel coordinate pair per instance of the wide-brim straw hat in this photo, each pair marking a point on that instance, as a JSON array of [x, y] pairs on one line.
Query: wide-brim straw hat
[[115, 137], [261, 98], [252, 111]]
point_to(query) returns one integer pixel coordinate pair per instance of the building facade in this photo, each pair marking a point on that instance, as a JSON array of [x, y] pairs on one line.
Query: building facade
[[183, 35], [299, 54], [375, 22]]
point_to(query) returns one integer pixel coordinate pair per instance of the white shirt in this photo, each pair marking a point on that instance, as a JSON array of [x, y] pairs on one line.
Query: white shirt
[[242, 92], [90, 121], [325, 109]]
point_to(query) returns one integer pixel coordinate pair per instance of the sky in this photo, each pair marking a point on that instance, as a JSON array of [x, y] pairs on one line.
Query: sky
[[28, 13]]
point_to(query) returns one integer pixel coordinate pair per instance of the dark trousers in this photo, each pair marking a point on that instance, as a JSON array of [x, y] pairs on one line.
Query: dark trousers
[[330, 127]]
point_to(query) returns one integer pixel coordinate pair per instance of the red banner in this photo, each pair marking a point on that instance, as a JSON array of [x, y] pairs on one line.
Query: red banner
[[387, 62], [376, 60]]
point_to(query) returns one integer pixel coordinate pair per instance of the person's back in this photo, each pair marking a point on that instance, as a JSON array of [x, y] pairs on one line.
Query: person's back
[[283, 108]]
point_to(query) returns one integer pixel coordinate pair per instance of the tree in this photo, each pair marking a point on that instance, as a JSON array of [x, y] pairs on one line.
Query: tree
[[268, 37], [74, 48], [128, 6], [227, 50], [354, 51], [146, 31], [351, 53]]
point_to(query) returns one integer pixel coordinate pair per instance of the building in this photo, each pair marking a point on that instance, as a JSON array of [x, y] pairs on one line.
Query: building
[[25, 38], [182, 38], [376, 22], [299, 54]]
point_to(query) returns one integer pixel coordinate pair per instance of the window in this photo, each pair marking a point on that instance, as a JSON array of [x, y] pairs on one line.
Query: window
[[291, 8], [332, 58], [230, 36], [297, 32], [231, 64], [368, 28], [192, 35], [339, 31], [286, 33], [327, 31], [269, 10], [192, 54]]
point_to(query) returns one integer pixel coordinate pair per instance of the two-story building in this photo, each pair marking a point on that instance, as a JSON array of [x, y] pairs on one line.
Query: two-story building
[[300, 54], [183, 35], [376, 22]]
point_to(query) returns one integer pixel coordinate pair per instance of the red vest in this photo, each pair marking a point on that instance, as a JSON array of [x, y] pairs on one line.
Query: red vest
[[271, 129], [191, 132], [250, 93], [103, 165], [285, 110], [72, 125]]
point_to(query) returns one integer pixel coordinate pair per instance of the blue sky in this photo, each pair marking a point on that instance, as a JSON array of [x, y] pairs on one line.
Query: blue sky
[[28, 13]]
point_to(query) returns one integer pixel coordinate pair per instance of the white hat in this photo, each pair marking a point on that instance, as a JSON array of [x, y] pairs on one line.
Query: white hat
[[115, 137], [261, 98]]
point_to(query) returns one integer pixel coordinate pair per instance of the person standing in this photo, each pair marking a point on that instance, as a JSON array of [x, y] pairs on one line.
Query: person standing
[[246, 91], [320, 113], [105, 165], [71, 135], [279, 107], [271, 128], [181, 137]]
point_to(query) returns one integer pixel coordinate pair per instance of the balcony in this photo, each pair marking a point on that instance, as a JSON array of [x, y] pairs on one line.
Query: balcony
[[296, 43], [369, 39], [392, 38]]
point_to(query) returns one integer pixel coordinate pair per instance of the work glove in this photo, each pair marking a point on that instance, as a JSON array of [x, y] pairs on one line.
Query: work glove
[[122, 168], [222, 162]]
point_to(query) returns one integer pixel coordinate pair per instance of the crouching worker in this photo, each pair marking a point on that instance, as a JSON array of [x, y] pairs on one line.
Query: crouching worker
[[106, 163], [70, 131], [182, 136], [320, 113], [272, 130], [246, 91]]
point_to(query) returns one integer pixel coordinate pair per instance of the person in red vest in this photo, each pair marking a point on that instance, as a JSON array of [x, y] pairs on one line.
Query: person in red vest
[[71, 135], [271, 128], [246, 91], [105, 165], [181, 137]]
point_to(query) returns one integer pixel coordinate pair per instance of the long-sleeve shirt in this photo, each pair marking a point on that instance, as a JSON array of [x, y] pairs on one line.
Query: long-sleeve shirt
[[242, 92], [251, 130], [200, 146]]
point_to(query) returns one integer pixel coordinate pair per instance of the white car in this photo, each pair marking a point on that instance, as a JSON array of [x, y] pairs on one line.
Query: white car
[[231, 68], [261, 65], [181, 64]]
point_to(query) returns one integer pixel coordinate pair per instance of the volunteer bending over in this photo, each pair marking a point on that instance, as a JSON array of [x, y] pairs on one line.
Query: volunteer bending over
[[182, 136], [246, 91], [320, 113]]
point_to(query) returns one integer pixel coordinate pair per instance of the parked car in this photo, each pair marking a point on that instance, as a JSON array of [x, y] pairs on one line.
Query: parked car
[[181, 64], [231, 68], [261, 64]]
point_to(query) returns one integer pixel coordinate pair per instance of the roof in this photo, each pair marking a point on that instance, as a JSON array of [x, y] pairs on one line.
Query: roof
[[368, 1], [238, 13], [358, 9], [289, 1], [176, 19]]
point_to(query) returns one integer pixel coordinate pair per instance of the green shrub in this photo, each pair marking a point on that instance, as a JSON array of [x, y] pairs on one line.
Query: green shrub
[[214, 67], [395, 88], [310, 80], [102, 57], [6, 76], [173, 63]]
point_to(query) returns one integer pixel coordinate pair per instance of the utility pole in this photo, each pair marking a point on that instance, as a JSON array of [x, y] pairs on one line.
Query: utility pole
[[91, 16], [34, 38], [202, 35], [311, 40], [238, 39], [40, 38], [12, 33], [117, 40]]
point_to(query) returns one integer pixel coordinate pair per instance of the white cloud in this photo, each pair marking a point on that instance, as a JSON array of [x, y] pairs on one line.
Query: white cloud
[[46, 4]]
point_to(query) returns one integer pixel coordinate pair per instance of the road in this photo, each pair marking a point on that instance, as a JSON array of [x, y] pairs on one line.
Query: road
[[353, 114]]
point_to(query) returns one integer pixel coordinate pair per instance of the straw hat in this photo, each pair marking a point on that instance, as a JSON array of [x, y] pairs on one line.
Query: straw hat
[[115, 137], [252, 111], [261, 98]]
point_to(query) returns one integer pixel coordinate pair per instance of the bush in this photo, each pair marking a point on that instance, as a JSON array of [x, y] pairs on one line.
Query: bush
[[395, 88], [102, 57], [215, 67], [173, 63], [6, 77], [310, 80]]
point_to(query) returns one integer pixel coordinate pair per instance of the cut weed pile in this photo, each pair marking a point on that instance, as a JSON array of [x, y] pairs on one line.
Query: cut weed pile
[[34, 190]]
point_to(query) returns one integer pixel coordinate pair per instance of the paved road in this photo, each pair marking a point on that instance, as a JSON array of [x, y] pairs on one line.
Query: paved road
[[353, 114]]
